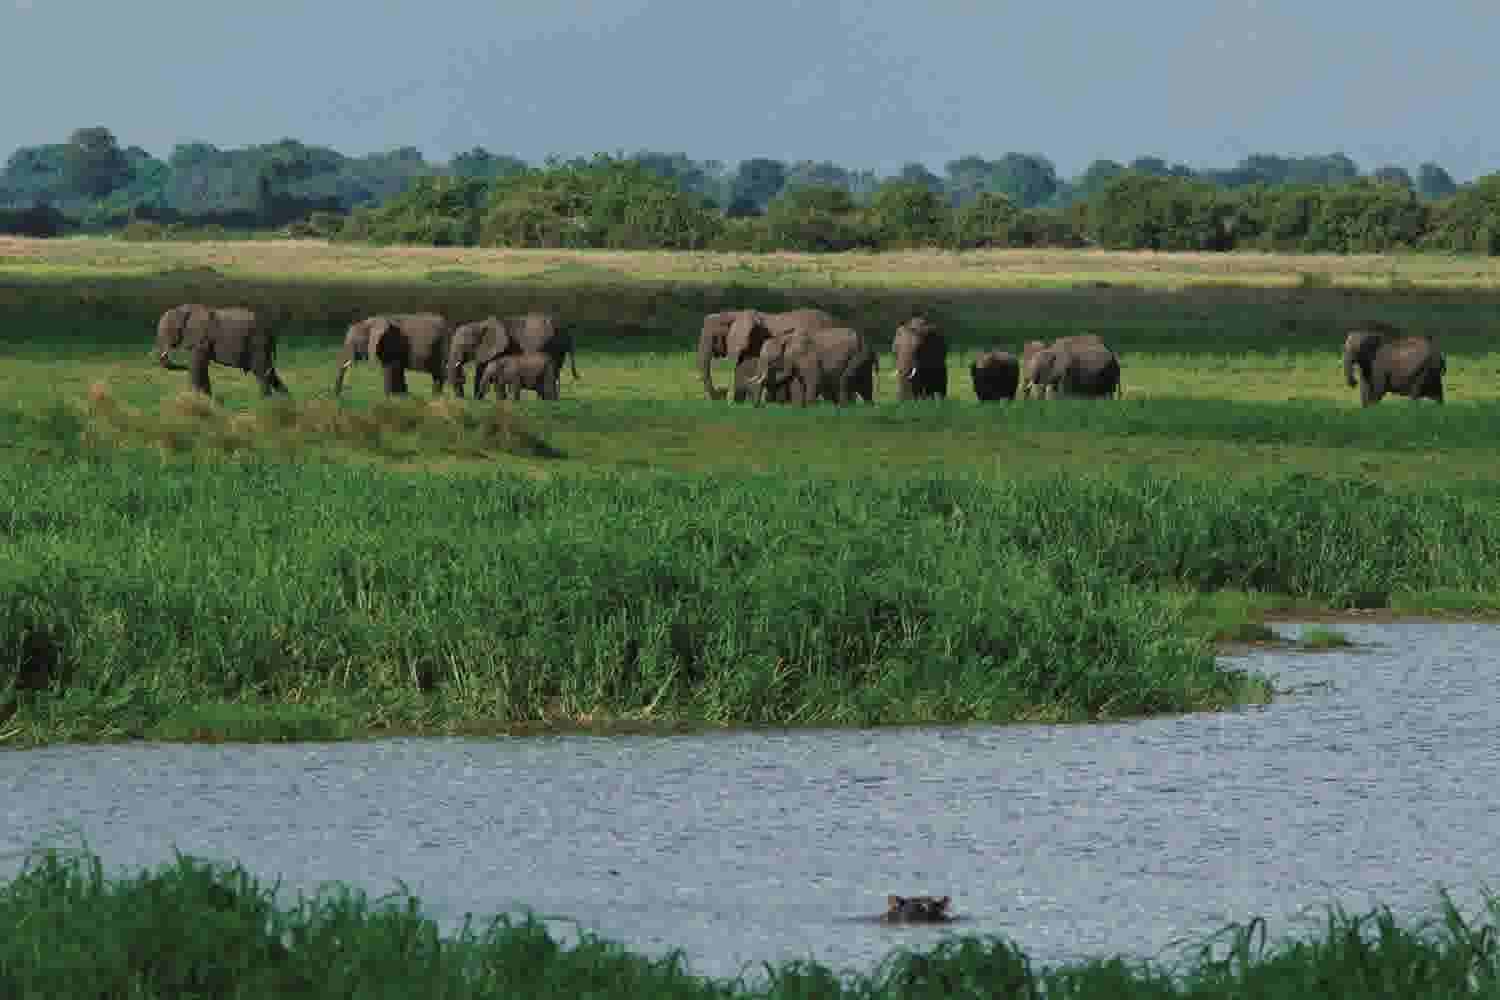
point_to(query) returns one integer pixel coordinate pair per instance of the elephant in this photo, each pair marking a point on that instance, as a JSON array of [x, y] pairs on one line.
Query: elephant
[[1088, 370], [834, 363], [738, 335], [228, 336], [917, 910], [1043, 368], [921, 360], [485, 340], [745, 384], [1387, 362], [399, 341], [534, 370], [996, 374]]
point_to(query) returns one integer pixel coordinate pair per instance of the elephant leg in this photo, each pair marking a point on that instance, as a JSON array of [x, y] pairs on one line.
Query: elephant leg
[[395, 380], [198, 370], [481, 384], [274, 377]]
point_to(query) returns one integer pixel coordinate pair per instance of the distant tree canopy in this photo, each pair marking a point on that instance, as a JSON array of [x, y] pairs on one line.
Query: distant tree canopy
[[650, 199]]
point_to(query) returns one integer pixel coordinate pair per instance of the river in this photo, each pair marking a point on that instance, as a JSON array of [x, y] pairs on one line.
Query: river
[[1376, 783]]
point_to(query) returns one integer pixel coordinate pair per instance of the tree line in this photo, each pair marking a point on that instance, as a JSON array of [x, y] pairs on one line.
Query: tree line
[[649, 200]]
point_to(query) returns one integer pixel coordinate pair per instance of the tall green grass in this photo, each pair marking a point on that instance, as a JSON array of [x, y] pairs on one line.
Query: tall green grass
[[132, 589], [197, 929]]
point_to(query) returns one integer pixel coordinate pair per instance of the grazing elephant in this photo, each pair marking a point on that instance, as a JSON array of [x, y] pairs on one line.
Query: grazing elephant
[[226, 336], [418, 341], [1031, 358], [996, 375], [484, 341], [921, 360], [1085, 370], [533, 370], [739, 334], [1387, 362], [834, 363]]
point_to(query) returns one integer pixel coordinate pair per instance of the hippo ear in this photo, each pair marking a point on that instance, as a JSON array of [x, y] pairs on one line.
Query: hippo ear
[[942, 904], [894, 902]]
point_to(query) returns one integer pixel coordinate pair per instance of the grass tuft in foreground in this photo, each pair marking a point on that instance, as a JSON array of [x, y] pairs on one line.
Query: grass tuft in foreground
[[193, 928]]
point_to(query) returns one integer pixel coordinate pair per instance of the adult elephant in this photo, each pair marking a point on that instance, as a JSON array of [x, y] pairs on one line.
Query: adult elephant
[[739, 333], [229, 336], [486, 340], [1031, 355], [835, 363], [1089, 370], [996, 374], [398, 341], [921, 360], [1388, 362]]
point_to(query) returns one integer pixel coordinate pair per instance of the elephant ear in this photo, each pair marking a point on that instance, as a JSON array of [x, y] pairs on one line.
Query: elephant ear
[[380, 331]]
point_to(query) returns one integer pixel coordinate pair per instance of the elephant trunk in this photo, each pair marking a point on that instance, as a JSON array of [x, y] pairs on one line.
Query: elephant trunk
[[573, 360], [1349, 375], [706, 352], [481, 385]]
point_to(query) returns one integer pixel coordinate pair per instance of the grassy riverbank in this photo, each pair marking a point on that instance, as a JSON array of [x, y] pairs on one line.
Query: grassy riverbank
[[197, 929], [637, 555]]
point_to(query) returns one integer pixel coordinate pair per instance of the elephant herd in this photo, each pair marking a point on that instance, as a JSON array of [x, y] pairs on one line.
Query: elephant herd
[[508, 354], [804, 355], [798, 357]]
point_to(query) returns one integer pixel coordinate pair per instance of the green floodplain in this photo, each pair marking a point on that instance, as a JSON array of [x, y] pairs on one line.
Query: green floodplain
[[638, 556], [192, 928]]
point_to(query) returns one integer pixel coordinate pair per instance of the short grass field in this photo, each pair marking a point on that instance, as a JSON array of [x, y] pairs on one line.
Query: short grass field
[[638, 555]]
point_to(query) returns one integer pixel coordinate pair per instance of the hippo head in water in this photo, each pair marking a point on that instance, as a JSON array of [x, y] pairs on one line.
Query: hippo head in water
[[917, 910]]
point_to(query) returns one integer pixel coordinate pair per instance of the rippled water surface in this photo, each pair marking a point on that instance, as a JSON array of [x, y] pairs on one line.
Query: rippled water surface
[[742, 847]]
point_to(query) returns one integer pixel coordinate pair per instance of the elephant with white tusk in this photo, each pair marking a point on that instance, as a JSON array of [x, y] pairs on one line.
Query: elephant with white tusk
[[229, 336], [399, 341], [738, 335], [835, 364], [1081, 365], [921, 360], [486, 340]]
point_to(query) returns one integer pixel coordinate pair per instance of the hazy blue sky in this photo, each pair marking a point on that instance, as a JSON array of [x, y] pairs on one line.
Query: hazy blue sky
[[871, 83]]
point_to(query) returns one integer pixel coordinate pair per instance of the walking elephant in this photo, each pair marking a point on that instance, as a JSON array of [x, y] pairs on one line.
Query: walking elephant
[[1089, 370], [1386, 362], [511, 373], [1079, 365], [996, 374], [834, 363], [229, 336], [398, 341], [921, 360], [483, 341], [738, 335]]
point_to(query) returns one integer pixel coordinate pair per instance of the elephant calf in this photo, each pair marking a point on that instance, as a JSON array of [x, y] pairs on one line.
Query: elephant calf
[[1387, 362], [228, 336], [996, 375], [533, 370]]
